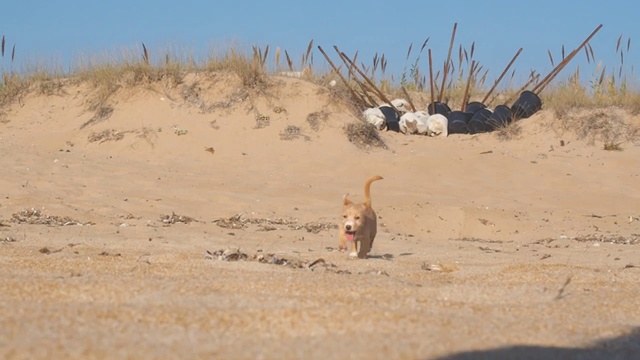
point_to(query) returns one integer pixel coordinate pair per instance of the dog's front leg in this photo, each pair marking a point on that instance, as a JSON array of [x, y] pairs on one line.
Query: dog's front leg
[[354, 251], [342, 242]]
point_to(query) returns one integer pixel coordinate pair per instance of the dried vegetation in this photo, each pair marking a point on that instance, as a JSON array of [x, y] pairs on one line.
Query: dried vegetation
[[353, 82]]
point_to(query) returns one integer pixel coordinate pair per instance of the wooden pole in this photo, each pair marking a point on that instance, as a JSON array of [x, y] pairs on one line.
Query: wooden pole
[[466, 89], [380, 94], [406, 93], [353, 93], [362, 87], [446, 64], [547, 79], [531, 81], [495, 84], [433, 98]]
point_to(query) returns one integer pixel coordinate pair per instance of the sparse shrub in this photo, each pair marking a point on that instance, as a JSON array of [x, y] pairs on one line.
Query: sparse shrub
[[102, 113], [106, 135], [340, 94], [262, 121], [611, 126], [364, 135], [292, 132], [509, 132], [610, 146], [12, 88], [315, 118], [51, 87], [149, 135]]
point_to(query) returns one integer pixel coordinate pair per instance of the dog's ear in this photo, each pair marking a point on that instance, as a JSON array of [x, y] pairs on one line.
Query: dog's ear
[[345, 200]]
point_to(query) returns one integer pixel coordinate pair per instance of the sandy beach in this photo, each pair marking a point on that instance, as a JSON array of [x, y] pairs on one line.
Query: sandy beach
[[199, 220]]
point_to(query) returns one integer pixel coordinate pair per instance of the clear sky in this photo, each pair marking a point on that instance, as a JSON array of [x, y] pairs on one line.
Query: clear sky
[[59, 31]]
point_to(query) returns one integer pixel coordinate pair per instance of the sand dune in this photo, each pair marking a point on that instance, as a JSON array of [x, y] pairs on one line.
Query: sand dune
[[112, 219]]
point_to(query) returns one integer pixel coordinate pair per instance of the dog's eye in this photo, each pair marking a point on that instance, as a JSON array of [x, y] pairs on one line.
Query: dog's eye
[[357, 217], [344, 216]]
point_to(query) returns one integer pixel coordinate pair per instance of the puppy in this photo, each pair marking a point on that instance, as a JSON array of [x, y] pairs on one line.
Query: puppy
[[359, 224]]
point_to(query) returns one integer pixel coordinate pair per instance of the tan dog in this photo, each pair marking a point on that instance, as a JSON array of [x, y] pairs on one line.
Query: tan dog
[[359, 223]]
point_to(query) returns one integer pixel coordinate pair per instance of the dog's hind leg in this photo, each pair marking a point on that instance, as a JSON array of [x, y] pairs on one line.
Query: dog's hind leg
[[364, 251]]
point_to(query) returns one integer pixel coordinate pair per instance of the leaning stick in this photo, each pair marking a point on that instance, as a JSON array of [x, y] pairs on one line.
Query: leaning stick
[[145, 54], [547, 79], [353, 93], [495, 84], [446, 64], [517, 93], [406, 93], [466, 89], [431, 83], [352, 76], [364, 76], [365, 91]]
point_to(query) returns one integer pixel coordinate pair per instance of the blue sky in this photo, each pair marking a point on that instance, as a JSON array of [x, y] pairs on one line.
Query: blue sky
[[57, 32]]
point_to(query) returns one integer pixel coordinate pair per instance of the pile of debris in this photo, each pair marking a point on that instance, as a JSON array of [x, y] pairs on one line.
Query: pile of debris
[[439, 119]]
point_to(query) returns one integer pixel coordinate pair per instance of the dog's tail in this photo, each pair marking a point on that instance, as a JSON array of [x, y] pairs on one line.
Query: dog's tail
[[367, 189]]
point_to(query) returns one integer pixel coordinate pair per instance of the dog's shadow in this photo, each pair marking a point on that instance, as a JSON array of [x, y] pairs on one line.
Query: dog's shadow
[[388, 257], [622, 347]]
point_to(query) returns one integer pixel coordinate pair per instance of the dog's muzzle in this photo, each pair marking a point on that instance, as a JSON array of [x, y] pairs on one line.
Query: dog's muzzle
[[351, 235]]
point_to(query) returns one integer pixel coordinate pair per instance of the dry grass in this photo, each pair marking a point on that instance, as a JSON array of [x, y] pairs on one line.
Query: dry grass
[[52, 87], [250, 69], [106, 135], [36, 217], [564, 98], [128, 70], [149, 135], [601, 92], [107, 75], [314, 119], [237, 96], [610, 126], [13, 88], [262, 121], [340, 94], [609, 146], [364, 136], [510, 131], [102, 113], [292, 132], [192, 94], [175, 219]]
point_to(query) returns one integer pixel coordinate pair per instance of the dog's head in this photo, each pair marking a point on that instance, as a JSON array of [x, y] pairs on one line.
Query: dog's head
[[352, 217]]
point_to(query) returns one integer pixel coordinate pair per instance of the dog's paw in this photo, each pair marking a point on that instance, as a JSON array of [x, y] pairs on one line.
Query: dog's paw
[[342, 248], [353, 254]]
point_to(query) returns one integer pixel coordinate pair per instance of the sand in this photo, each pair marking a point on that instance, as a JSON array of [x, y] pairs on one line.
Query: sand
[[199, 220]]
